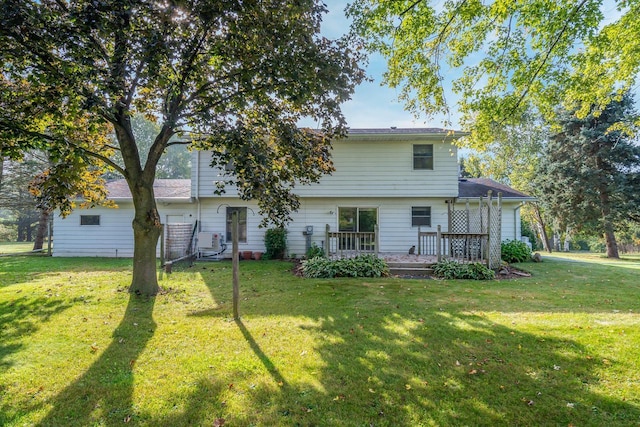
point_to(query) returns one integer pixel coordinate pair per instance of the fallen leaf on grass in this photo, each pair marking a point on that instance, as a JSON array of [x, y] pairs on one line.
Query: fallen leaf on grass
[[407, 386], [94, 347], [219, 422]]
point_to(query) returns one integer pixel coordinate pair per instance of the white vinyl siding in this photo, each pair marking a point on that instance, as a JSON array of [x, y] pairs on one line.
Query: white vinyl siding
[[369, 168], [510, 221], [114, 236], [394, 221]]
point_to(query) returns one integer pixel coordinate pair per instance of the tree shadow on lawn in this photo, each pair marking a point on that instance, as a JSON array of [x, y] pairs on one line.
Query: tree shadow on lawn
[[20, 318], [103, 394], [20, 269], [383, 363]]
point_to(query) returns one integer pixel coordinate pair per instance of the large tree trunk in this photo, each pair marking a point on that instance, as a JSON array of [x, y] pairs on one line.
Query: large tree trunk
[[607, 225], [542, 228], [1, 171], [147, 229], [147, 226], [612, 245], [43, 223], [605, 209]]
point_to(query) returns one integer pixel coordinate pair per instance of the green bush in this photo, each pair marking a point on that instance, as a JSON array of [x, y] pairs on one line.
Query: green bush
[[455, 270], [275, 242], [315, 251], [8, 233], [515, 251], [359, 266], [597, 245]]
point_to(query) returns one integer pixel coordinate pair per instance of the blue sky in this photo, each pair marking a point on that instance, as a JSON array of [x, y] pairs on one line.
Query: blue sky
[[372, 105], [377, 106]]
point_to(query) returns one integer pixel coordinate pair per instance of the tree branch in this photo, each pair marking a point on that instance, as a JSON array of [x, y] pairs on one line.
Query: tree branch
[[169, 144], [414, 4], [544, 60], [42, 136]]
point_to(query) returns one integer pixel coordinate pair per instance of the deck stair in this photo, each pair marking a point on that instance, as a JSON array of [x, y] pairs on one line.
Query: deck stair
[[411, 269]]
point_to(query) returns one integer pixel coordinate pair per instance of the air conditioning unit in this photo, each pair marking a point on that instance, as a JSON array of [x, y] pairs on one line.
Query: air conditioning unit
[[217, 240], [210, 245]]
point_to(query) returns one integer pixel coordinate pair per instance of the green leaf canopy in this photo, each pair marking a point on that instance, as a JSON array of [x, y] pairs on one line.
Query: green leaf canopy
[[500, 60]]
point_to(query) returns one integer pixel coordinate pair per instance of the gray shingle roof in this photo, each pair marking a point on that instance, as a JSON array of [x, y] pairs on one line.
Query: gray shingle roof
[[393, 131], [163, 189], [476, 187]]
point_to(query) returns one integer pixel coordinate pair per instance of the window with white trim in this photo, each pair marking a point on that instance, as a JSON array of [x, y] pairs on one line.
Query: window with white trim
[[423, 157], [421, 215], [89, 219]]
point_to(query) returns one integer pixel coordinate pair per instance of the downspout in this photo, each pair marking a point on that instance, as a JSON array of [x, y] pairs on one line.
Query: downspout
[[197, 193], [515, 222]]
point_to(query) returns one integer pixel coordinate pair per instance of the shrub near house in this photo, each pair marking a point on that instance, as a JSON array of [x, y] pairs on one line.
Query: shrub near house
[[359, 266]]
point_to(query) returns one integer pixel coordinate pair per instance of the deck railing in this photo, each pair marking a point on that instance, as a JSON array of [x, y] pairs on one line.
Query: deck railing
[[350, 243], [463, 247]]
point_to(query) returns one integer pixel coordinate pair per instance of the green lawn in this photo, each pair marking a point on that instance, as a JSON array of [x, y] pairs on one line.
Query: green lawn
[[559, 348], [15, 247]]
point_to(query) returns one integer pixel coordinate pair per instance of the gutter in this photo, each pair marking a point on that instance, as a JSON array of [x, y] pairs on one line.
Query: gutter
[[515, 221], [197, 192]]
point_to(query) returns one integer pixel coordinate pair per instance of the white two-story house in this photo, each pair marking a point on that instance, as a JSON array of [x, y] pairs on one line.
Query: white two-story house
[[390, 182]]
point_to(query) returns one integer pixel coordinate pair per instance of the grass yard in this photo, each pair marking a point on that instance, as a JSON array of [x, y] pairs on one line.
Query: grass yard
[[559, 348], [15, 247]]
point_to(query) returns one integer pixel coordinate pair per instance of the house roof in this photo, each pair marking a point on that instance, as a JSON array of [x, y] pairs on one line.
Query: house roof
[[469, 188], [403, 134], [394, 130], [164, 189]]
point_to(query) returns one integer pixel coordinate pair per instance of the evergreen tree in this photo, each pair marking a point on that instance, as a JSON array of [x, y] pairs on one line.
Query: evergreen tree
[[589, 175]]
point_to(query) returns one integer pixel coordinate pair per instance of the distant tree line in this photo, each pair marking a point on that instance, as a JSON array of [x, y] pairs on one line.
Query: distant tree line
[[23, 220], [585, 173]]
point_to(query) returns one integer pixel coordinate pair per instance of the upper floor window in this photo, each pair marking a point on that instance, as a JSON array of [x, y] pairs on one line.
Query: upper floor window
[[242, 224], [89, 219], [423, 156], [421, 215]]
